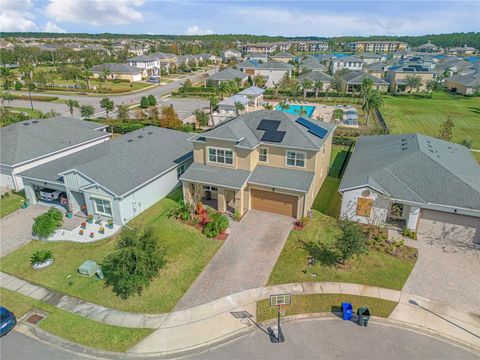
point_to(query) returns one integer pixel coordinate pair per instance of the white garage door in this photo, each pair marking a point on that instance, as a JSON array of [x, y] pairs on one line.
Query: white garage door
[[440, 225], [7, 181]]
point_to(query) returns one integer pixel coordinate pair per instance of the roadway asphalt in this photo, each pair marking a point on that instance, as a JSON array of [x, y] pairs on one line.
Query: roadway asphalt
[[304, 339], [127, 99]]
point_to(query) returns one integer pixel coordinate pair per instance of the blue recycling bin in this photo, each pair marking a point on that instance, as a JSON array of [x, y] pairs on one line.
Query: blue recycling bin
[[347, 310]]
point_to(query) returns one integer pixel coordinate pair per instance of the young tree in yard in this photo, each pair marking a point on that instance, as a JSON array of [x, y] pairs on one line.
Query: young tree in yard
[[87, 110], [104, 75], [135, 262], [123, 112], [413, 82], [306, 85], [318, 85], [338, 84], [107, 105], [169, 118], [30, 86], [151, 100], [259, 81], [72, 104], [239, 107], [365, 87], [432, 86], [201, 117], [446, 129], [372, 101], [351, 240], [7, 78], [213, 104], [153, 113], [144, 102]]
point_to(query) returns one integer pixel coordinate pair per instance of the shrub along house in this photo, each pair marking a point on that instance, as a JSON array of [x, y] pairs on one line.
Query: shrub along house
[[27, 144], [425, 184], [265, 160], [118, 179]]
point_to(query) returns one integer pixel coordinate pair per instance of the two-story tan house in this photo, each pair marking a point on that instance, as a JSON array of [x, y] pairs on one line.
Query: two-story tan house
[[265, 160]]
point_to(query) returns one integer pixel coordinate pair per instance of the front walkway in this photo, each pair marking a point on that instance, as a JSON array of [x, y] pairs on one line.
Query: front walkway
[[16, 228], [244, 262]]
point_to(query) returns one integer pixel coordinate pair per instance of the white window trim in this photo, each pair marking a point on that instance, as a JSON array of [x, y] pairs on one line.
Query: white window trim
[[297, 152], [95, 209], [179, 172], [266, 160], [220, 148]]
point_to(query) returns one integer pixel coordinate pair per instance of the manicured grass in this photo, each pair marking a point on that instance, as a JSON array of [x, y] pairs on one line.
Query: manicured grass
[[187, 253], [74, 327], [329, 200], [409, 114], [10, 204], [476, 155], [374, 268], [337, 157], [28, 111], [307, 304]]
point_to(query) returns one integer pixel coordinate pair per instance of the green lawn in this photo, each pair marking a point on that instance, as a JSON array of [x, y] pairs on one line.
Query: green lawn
[[407, 114], [476, 155], [307, 304], [28, 111], [10, 204], [188, 252], [337, 157], [374, 268], [74, 327]]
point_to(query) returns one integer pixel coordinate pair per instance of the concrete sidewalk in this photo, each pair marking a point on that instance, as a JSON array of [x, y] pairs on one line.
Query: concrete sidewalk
[[213, 322]]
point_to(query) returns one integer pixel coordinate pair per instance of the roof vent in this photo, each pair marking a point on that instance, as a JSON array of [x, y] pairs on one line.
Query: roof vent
[[35, 121], [140, 136], [150, 133], [26, 123], [130, 140]]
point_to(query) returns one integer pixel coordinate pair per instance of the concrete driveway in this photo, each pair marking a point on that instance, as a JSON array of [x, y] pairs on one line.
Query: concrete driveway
[[244, 262], [446, 273], [16, 228]]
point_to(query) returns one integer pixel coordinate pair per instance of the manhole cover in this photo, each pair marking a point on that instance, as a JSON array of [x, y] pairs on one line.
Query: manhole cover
[[34, 319]]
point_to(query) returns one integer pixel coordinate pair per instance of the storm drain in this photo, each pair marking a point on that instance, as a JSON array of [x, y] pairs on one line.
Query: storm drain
[[35, 319]]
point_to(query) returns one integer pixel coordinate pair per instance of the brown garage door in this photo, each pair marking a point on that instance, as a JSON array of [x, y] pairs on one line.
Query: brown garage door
[[441, 225], [274, 202]]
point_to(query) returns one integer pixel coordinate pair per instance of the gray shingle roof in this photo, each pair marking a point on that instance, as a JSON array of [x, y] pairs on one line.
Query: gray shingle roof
[[26, 140], [316, 76], [275, 65], [417, 168], [216, 176], [252, 90], [117, 68], [348, 59], [243, 130], [312, 65], [227, 75], [282, 54], [470, 80], [356, 78], [282, 178], [123, 163], [143, 58]]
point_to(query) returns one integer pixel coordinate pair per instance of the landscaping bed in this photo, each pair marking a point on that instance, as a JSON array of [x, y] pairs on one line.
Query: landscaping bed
[[376, 267], [74, 327], [187, 250], [318, 303]]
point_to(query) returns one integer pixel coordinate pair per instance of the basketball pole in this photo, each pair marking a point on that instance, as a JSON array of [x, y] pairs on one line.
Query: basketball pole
[[278, 323]]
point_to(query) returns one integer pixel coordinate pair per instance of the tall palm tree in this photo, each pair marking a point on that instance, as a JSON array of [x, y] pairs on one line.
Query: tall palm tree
[[306, 85], [318, 85], [224, 89], [86, 75], [365, 87], [373, 101], [71, 105], [432, 86], [213, 103], [413, 82], [104, 75], [239, 107]]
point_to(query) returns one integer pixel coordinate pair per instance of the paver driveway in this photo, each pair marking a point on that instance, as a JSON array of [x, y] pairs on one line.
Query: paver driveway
[[16, 228], [244, 262], [446, 273]]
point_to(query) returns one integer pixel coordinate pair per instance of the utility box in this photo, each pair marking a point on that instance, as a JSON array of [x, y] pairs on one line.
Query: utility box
[[88, 268]]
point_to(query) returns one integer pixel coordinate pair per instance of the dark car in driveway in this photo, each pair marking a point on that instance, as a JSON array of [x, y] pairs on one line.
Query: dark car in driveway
[[7, 321]]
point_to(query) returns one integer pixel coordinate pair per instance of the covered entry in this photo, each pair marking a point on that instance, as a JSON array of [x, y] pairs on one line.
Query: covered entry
[[441, 225], [274, 202]]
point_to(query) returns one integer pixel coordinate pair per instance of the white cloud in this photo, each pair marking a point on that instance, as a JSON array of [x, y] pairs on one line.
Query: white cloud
[[195, 30], [52, 28], [15, 16], [95, 12]]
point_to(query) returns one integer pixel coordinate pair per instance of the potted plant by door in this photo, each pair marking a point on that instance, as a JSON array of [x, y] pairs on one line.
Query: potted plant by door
[[110, 223], [90, 218]]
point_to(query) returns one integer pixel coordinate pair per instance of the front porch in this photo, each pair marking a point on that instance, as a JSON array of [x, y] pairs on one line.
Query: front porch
[[222, 199], [401, 216]]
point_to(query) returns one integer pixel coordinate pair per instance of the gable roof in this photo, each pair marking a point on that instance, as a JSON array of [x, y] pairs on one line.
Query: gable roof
[[282, 54], [252, 90], [228, 74], [275, 65], [243, 131], [123, 163], [27, 140], [312, 64], [117, 68], [316, 76], [348, 59], [468, 80], [416, 168], [356, 78]]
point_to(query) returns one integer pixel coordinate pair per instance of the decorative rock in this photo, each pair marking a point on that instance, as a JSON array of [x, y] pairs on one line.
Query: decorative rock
[[42, 265]]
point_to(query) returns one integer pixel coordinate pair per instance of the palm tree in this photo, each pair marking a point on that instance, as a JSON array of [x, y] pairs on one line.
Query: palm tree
[[7, 77], [432, 86], [373, 101], [239, 107], [318, 85], [283, 105], [306, 85], [213, 103], [224, 89], [86, 75], [71, 105], [413, 82], [268, 106], [87, 110], [365, 87], [104, 75]]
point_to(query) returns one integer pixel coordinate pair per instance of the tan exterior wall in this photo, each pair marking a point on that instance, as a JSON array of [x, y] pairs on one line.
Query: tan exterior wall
[[460, 89], [402, 76]]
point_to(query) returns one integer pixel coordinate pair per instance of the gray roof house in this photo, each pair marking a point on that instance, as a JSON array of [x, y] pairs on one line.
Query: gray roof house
[[466, 84], [315, 76], [254, 94], [117, 179], [312, 64], [27, 144], [121, 71], [429, 184], [228, 75], [353, 80], [266, 160]]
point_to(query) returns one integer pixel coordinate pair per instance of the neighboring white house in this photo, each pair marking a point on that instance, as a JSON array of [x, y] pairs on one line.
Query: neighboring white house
[[271, 71], [27, 144], [231, 54], [119, 71], [346, 62], [118, 179], [151, 63], [425, 184]]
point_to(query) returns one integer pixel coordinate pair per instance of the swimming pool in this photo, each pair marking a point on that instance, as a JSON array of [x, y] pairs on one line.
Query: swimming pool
[[296, 109]]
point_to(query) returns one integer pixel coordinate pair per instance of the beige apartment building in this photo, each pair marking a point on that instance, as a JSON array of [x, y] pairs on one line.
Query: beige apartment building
[[377, 46]]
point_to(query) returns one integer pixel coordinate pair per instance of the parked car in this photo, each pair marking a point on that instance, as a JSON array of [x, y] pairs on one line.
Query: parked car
[[7, 321], [51, 195]]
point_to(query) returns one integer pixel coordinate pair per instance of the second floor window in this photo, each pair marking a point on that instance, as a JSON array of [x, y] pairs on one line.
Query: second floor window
[[295, 158], [222, 156], [263, 155], [181, 169]]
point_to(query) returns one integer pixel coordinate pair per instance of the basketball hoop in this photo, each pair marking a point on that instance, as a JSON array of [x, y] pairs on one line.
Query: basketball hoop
[[282, 310]]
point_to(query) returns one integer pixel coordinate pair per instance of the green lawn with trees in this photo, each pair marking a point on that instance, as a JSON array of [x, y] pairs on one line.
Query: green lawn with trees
[[415, 113], [186, 251]]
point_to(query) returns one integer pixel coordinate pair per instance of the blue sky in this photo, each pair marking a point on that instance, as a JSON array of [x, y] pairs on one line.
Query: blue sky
[[288, 18]]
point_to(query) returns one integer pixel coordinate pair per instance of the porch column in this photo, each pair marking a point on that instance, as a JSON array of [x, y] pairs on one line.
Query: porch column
[[30, 194], [222, 204], [412, 218], [239, 201], [187, 195]]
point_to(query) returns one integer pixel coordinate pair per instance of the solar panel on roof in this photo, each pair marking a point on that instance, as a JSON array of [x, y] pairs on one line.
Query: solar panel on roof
[[273, 136], [313, 128], [268, 125]]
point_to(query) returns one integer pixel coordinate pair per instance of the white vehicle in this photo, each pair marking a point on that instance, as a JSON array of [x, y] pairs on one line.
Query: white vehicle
[[51, 195]]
